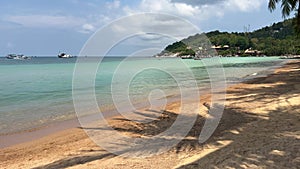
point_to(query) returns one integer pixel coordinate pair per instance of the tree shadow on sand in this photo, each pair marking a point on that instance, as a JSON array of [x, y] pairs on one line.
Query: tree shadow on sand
[[252, 144], [256, 146], [273, 140], [231, 119]]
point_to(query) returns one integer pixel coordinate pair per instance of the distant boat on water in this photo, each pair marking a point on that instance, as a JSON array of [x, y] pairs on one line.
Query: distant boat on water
[[17, 57], [64, 55]]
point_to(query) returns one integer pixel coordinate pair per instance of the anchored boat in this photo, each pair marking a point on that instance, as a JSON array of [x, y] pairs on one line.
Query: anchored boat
[[64, 55], [17, 57]]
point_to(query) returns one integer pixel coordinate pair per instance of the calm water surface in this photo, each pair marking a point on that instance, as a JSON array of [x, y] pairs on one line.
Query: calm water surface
[[39, 91]]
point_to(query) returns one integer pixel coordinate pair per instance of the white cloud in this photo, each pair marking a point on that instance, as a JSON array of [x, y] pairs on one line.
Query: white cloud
[[140, 31], [185, 9], [113, 5], [243, 5], [43, 21], [153, 23], [166, 6], [150, 36], [194, 11], [87, 28], [81, 25]]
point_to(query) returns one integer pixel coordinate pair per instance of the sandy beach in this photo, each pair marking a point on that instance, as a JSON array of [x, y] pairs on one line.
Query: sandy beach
[[259, 129]]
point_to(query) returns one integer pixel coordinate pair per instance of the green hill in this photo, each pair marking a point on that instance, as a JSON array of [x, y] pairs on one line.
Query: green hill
[[275, 40]]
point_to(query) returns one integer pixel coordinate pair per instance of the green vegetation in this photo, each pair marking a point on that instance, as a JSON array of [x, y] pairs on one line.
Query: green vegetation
[[288, 6], [181, 48], [278, 39]]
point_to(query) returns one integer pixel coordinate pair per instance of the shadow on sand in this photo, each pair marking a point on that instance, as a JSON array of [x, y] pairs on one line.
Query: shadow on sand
[[230, 120], [270, 142]]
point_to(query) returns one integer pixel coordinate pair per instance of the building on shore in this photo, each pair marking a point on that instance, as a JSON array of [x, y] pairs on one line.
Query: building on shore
[[252, 52]]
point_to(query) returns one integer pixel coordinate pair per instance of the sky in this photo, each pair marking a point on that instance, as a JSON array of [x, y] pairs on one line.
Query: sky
[[44, 28]]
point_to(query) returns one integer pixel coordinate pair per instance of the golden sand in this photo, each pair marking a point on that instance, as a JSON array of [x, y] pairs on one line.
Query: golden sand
[[260, 128]]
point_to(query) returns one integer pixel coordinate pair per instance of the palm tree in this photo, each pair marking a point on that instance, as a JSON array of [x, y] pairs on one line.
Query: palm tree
[[287, 7]]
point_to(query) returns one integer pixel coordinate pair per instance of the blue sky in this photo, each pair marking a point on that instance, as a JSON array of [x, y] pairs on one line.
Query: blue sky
[[43, 28]]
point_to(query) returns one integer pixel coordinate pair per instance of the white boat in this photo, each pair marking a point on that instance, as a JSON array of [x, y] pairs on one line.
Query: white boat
[[17, 57], [64, 55]]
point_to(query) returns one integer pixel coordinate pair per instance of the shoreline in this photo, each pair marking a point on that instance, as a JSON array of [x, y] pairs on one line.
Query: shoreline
[[259, 129], [21, 137], [61, 113], [9, 140]]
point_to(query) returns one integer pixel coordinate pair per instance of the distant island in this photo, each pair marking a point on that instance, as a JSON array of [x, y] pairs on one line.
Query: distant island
[[276, 40]]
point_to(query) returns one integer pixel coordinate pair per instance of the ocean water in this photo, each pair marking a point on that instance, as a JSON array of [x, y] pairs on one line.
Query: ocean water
[[38, 92]]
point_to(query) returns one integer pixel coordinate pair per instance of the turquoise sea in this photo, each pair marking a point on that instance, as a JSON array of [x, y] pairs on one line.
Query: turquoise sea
[[38, 92]]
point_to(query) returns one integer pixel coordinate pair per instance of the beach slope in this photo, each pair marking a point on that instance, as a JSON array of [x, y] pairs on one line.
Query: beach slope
[[259, 129]]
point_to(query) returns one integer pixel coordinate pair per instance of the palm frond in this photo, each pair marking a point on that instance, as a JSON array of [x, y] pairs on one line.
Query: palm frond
[[293, 4], [286, 8], [272, 4]]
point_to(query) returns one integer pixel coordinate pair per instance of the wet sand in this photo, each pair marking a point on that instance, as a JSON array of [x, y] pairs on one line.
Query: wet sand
[[259, 129]]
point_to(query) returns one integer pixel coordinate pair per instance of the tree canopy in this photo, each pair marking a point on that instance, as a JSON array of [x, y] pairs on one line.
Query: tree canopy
[[288, 6], [274, 40]]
